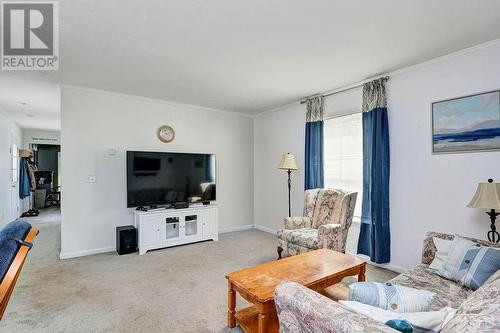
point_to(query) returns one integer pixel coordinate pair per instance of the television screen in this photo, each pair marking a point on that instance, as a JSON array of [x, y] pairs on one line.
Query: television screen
[[156, 178]]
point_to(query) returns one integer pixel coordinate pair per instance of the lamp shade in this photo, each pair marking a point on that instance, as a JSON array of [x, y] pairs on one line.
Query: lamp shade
[[288, 162], [487, 196]]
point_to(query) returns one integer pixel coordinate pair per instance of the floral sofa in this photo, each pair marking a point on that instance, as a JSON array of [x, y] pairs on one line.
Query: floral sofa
[[302, 310]]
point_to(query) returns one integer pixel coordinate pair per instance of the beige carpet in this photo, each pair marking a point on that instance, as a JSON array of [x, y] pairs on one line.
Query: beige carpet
[[179, 289]]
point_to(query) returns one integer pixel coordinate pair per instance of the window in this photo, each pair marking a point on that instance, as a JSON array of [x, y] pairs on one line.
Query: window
[[343, 152]]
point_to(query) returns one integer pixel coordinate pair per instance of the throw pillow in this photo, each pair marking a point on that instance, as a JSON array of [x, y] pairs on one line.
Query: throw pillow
[[431, 321], [469, 263], [391, 297], [443, 247]]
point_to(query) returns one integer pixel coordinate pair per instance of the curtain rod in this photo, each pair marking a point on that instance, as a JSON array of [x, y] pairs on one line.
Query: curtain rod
[[345, 88]]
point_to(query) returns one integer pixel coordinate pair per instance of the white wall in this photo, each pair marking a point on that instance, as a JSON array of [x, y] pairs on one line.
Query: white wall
[[94, 121], [428, 192], [276, 133], [10, 134]]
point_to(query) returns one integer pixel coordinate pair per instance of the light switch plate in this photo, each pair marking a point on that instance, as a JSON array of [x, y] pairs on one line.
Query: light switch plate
[[90, 179]]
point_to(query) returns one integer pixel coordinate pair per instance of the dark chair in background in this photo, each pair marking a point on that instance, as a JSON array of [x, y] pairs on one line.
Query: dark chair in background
[[45, 181]]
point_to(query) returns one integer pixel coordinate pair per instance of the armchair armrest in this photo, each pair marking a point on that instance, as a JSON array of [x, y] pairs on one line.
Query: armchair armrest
[[301, 309], [330, 237], [327, 230], [297, 222]]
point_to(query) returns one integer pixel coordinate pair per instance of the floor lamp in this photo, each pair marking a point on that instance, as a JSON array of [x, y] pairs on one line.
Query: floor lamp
[[288, 163]]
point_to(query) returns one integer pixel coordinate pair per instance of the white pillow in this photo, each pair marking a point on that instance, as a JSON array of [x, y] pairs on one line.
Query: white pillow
[[430, 320], [443, 247]]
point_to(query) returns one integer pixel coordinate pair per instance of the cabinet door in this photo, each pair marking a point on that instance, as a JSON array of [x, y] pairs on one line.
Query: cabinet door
[[209, 223], [172, 226], [150, 230], [192, 227]]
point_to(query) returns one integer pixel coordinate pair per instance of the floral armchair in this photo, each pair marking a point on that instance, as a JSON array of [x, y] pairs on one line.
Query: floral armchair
[[326, 221]]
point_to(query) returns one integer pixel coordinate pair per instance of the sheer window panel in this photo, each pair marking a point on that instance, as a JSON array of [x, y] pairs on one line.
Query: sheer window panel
[[343, 152]]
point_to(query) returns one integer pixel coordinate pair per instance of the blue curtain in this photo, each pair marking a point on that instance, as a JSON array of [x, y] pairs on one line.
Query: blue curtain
[[314, 177], [314, 155], [24, 180], [375, 238]]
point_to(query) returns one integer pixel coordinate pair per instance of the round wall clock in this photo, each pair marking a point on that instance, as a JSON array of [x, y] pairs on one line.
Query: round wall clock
[[166, 134]]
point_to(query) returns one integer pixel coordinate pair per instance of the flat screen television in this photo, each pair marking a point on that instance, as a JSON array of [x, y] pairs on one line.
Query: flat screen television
[[158, 178]]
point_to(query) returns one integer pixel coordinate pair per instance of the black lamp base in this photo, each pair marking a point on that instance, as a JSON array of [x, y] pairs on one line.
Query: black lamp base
[[289, 190], [493, 235]]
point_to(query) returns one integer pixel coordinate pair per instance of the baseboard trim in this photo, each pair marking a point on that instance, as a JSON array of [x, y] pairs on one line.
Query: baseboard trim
[[389, 266], [265, 229], [76, 254], [237, 228]]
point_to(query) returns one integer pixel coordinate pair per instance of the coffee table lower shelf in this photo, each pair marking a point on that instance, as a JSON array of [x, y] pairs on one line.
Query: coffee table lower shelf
[[248, 320]]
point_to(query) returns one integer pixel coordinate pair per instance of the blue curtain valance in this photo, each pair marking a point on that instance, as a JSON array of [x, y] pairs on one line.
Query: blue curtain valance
[[314, 177]]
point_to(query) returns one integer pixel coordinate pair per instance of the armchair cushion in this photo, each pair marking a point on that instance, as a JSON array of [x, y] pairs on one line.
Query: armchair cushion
[[328, 207], [297, 222], [305, 237], [9, 236]]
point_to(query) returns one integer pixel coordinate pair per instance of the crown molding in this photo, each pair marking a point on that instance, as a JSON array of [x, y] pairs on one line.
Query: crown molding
[[152, 100], [400, 70]]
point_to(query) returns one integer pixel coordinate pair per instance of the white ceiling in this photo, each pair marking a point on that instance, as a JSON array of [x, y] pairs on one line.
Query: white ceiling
[[253, 55], [31, 104]]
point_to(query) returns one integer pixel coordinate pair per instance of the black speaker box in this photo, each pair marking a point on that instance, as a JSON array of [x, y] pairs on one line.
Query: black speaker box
[[126, 239]]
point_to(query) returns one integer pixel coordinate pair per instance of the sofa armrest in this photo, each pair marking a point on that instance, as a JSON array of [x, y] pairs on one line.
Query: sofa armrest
[[301, 309], [297, 222]]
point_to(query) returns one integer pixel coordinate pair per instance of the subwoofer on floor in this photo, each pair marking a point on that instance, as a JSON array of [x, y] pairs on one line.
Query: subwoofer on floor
[[126, 239]]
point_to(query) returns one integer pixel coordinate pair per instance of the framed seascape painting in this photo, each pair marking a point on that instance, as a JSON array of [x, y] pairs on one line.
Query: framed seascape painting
[[466, 124]]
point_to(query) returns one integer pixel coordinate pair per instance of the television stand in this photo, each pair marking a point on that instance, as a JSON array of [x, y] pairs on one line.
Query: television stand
[[162, 228]]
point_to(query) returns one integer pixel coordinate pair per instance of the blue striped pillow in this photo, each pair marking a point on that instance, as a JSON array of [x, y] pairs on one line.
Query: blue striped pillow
[[391, 297], [470, 263]]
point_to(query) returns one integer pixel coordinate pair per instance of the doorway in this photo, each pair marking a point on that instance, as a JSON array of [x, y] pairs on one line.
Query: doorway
[[47, 196]]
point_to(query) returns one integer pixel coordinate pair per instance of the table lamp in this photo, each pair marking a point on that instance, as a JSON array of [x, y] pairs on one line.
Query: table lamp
[[487, 196], [288, 163]]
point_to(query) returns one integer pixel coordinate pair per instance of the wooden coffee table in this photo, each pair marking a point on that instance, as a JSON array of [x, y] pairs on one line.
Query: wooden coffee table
[[317, 270]]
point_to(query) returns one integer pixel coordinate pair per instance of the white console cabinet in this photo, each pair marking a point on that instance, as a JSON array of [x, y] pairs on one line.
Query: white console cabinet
[[169, 227]]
